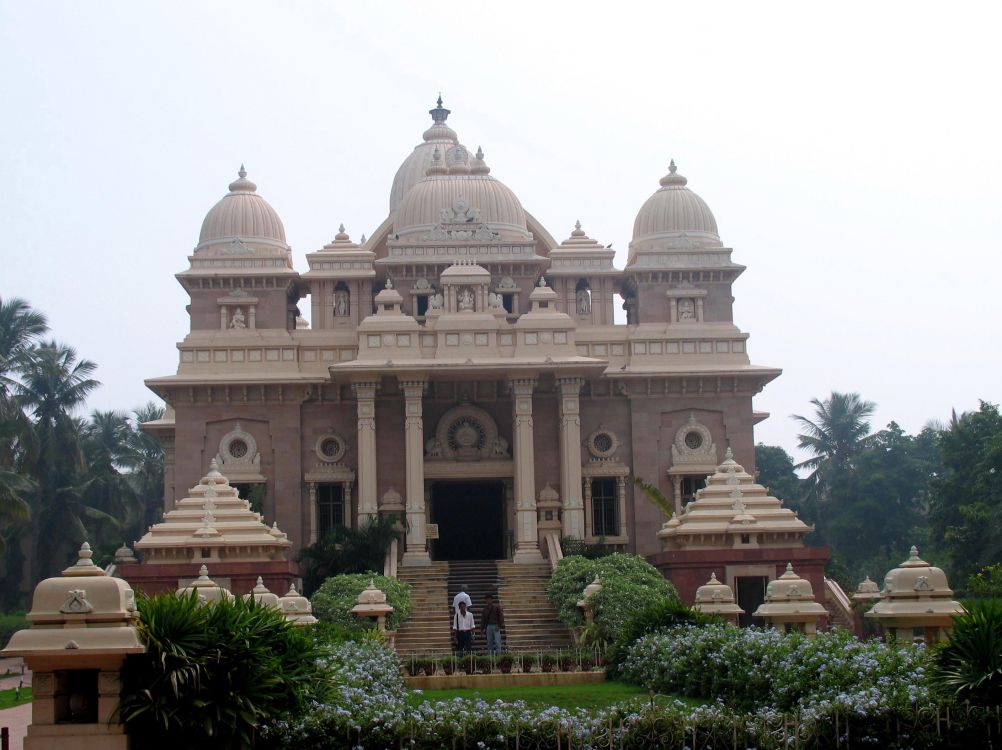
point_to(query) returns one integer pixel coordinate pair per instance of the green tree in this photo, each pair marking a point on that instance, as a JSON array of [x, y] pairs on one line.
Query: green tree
[[836, 434], [965, 509], [348, 550], [146, 462], [52, 385], [877, 508], [775, 471]]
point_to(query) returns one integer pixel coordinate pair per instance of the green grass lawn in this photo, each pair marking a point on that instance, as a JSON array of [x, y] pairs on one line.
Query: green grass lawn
[[593, 695], [7, 699]]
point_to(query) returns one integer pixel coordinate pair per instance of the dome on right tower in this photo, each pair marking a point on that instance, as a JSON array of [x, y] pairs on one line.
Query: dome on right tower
[[674, 217]]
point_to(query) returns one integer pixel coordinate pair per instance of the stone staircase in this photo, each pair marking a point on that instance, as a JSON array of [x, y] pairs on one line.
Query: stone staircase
[[480, 578], [426, 631], [531, 622]]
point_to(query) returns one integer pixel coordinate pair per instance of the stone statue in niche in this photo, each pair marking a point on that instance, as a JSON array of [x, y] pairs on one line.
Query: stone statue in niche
[[686, 309], [584, 302], [465, 299], [500, 447], [436, 301], [341, 303], [433, 448], [494, 301], [238, 321]]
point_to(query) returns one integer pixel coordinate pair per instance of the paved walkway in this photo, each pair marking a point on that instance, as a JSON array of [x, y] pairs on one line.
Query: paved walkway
[[15, 719]]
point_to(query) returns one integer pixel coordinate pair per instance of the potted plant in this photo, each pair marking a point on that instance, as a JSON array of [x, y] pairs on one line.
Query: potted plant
[[587, 662], [525, 662], [505, 662], [548, 662], [566, 661], [447, 664], [414, 666], [429, 666]]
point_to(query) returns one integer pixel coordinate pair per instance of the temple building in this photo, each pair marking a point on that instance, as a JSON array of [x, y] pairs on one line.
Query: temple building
[[465, 369]]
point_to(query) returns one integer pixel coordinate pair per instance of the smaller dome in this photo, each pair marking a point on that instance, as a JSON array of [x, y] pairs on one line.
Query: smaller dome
[[916, 578], [262, 595], [296, 608], [371, 595], [206, 589], [867, 586], [242, 215], [674, 216], [465, 271], [714, 592], [789, 587]]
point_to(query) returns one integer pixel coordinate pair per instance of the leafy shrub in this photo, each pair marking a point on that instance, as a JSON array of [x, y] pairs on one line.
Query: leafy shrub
[[658, 615], [211, 675], [336, 596], [755, 669], [987, 582], [629, 584], [969, 665], [10, 624]]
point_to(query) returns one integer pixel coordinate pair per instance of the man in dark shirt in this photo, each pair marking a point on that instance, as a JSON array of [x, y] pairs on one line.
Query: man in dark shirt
[[493, 619]]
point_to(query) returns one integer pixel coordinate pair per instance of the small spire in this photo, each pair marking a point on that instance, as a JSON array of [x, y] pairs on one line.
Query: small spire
[[713, 577], [203, 573], [577, 224], [341, 227], [577, 231], [480, 153], [671, 167], [673, 178], [440, 114], [389, 283], [260, 581], [242, 172], [292, 590], [362, 241], [789, 567], [341, 235]]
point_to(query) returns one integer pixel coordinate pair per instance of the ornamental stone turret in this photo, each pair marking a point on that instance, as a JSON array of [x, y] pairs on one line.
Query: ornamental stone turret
[[915, 596], [789, 604], [716, 598], [82, 628]]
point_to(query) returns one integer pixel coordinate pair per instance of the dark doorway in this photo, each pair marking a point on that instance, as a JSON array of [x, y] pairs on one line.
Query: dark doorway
[[750, 593], [470, 518]]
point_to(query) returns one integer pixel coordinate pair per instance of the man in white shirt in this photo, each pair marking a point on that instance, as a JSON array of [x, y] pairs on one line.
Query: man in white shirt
[[462, 626], [462, 596]]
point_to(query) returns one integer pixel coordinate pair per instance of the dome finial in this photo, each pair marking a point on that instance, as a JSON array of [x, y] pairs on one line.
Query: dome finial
[[440, 114], [341, 235], [242, 184], [673, 179]]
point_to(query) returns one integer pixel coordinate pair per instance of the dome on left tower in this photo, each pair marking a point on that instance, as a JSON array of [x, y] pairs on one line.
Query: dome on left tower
[[243, 215]]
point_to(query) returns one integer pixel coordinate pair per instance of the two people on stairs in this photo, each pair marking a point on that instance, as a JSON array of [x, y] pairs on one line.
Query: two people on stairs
[[463, 623]]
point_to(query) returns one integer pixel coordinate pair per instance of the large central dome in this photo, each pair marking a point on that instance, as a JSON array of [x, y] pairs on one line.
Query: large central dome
[[412, 171], [456, 191]]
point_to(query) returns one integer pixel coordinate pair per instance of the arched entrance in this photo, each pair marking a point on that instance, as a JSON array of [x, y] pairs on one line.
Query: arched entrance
[[470, 518]]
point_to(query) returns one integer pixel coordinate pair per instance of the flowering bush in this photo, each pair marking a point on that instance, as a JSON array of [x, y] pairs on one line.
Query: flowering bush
[[753, 668], [629, 584], [370, 711], [336, 596]]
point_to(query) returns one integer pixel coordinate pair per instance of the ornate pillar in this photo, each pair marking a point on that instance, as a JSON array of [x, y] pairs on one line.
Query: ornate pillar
[[677, 485], [526, 537], [589, 514], [570, 456], [621, 496], [415, 552], [365, 394], [314, 531]]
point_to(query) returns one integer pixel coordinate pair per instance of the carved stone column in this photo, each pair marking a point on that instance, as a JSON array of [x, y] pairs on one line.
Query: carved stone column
[[365, 394], [415, 552], [570, 456], [314, 531], [676, 482], [526, 537]]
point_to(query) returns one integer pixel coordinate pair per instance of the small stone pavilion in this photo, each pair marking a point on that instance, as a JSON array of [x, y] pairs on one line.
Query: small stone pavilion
[[790, 605], [735, 524], [916, 597], [212, 526]]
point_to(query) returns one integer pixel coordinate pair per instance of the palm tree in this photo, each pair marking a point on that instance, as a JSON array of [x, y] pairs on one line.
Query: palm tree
[[107, 448], [54, 383], [839, 431], [146, 463]]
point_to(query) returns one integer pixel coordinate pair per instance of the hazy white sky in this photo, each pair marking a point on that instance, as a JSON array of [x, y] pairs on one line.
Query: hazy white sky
[[850, 152]]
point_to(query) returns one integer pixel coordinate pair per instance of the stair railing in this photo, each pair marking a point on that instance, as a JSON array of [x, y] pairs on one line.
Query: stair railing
[[390, 562], [553, 550], [839, 600]]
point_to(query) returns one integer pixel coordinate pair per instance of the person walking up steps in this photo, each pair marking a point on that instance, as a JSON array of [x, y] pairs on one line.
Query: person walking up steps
[[462, 596], [462, 626], [493, 619]]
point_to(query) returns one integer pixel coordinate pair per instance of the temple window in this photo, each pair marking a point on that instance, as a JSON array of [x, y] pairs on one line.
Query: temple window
[[690, 486], [604, 505], [330, 508], [508, 302]]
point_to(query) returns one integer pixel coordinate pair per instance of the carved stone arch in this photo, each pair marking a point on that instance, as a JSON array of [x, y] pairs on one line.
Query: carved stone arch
[[467, 432]]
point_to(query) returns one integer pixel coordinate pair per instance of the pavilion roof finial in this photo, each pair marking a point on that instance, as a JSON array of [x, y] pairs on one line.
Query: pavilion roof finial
[[440, 114]]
